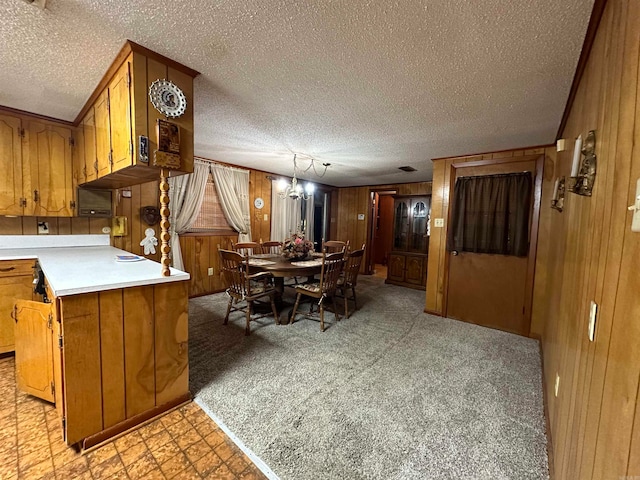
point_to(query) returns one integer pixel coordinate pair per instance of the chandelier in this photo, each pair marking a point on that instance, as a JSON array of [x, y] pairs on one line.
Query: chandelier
[[296, 191]]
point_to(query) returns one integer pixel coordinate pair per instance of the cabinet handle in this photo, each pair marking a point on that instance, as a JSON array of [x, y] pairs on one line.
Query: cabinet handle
[[36, 196], [7, 269]]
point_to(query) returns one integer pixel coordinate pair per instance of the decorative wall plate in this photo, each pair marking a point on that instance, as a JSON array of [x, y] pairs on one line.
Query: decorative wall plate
[[258, 203], [167, 97]]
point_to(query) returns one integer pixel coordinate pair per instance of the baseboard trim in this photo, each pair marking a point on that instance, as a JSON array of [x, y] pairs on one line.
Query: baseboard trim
[[545, 402]]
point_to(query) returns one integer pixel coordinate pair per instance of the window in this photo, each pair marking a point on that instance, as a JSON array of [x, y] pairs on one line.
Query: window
[[211, 216]]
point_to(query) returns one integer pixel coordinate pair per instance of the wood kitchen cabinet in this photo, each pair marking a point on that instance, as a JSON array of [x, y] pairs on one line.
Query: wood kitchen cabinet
[[48, 188], [109, 360], [16, 277], [11, 136], [122, 113], [85, 161], [36, 156], [408, 258]]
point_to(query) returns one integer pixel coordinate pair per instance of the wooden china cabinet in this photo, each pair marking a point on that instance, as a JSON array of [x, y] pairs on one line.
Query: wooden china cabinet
[[408, 258]]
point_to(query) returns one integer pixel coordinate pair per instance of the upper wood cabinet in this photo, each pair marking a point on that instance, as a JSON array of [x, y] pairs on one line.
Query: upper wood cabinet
[[122, 113], [11, 135], [48, 189], [36, 156]]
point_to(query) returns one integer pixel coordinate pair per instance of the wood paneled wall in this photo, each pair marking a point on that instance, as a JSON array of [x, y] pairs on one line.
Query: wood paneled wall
[[143, 195], [348, 202], [434, 302], [57, 225], [593, 256]]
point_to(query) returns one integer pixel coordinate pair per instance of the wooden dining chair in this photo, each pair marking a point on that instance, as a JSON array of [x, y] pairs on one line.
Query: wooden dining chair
[[332, 246], [349, 278], [271, 247], [332, 264], [244, 289], [247, 248]]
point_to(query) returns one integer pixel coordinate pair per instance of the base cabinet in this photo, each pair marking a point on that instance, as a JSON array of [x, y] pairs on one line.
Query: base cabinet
[[114, 358], [16, 278], [409, 270]]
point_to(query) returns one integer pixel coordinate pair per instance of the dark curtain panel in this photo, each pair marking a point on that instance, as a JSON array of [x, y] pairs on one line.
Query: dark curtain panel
[[491, 214]]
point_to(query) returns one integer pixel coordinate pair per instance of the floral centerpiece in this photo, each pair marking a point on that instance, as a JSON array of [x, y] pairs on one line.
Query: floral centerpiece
[[296, 247]]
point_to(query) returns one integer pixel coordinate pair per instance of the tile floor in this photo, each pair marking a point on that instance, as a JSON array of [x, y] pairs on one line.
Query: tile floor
[[184, 444]]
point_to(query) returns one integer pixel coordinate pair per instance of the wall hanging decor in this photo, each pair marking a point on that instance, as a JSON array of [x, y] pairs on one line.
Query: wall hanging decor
[[557, 202], [583, 173]]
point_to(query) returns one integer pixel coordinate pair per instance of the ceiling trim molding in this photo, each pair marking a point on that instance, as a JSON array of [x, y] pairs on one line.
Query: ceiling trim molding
[[589, 38], [453, 157], [17, 111], [128, 48]]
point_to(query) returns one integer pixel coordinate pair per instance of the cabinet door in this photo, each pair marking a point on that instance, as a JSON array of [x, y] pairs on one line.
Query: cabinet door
[[414, 270], [11, 289], [396, 267], [103, 134], [419, 241], [89, 143], [401, 224], [10, 165], [77, 153], [51, 170], [120, 118], [34, 348]]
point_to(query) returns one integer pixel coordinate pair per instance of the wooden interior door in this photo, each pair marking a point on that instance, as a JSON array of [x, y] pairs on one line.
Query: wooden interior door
[[495, 290], [10, 165], [384, 229], [34, 348]]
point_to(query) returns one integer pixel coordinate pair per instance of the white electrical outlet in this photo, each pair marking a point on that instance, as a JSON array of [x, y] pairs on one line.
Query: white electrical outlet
[[210, 271], [593, 312], [438, 222], [557, 386], [43, 228], [635, 208]]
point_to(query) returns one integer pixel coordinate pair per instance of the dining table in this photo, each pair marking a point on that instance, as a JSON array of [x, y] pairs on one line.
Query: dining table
[[282, 268]]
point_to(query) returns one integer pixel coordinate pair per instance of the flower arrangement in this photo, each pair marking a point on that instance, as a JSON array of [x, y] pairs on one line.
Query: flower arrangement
[[296, 247]]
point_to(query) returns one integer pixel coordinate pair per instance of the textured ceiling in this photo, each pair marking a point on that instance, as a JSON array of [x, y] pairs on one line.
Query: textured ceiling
[[368, 86]]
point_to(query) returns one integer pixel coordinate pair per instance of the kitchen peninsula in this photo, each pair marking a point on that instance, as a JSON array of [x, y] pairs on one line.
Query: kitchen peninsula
[[110, 346]]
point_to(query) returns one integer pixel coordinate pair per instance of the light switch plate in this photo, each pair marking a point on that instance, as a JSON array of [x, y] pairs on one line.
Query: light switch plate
[[593, 312], [635, 224], [266, 217], [557, 385], [210, 271], [438, 222]]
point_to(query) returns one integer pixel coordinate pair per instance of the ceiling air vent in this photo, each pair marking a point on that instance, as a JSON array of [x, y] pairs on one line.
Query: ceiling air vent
[[407, 169]]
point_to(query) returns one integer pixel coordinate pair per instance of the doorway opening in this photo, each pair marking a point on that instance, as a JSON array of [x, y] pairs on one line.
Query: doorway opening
[[380, 235]]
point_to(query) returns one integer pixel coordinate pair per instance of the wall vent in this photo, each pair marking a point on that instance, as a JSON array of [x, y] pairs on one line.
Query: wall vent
[[407, 169]]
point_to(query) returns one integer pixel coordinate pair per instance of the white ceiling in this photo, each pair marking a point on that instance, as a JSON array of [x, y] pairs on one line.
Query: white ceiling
[[368, 86]]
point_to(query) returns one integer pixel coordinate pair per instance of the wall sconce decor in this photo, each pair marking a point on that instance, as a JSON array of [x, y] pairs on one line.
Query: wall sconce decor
[[584, 176], [557, 202]]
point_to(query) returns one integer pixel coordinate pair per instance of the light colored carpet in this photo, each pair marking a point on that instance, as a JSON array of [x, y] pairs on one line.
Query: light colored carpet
[[390, 393]]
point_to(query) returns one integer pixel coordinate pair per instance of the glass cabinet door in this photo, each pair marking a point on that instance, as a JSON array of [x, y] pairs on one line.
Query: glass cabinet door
[[401, 225], [419, 240]]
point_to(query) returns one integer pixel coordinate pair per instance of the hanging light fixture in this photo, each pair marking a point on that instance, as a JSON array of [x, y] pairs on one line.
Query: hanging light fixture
[[296, 191]]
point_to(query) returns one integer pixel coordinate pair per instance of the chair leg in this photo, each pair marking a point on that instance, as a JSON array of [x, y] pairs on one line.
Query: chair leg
[[335, 309], [346, 304], [247, 329], [273, 308], [295, 309], [355, 302], [226, 317], [322, 317]]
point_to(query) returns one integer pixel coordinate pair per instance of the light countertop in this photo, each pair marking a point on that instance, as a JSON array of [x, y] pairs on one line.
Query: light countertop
[[85, 269]]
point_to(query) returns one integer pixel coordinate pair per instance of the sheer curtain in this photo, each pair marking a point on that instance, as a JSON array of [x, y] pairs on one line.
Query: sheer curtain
[[232, 185], [308, 217], [285, 215], [186, 193]]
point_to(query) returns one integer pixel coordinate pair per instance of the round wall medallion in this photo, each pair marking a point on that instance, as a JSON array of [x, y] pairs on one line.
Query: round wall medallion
[[258, 203], [167, 97]]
